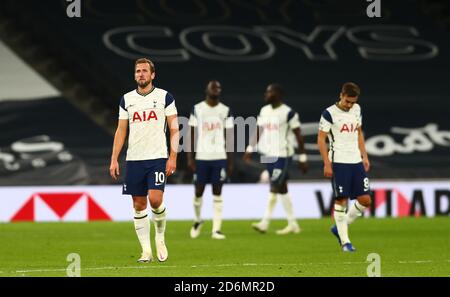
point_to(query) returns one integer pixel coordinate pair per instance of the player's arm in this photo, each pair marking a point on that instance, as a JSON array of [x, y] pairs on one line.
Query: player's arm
[[362, 149], [229, 148], [119, 140], [171, 165], [321, 142], [254, 139], [229, 142], [191, 140], [191, 152], [301, 149]]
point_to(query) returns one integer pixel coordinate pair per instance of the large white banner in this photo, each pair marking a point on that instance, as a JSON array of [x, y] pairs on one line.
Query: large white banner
[[241, 201]]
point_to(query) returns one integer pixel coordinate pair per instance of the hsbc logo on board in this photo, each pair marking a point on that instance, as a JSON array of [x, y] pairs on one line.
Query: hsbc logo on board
[[62, 206]]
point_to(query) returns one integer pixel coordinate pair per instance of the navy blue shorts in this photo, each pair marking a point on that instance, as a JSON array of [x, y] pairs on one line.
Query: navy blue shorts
[[279, 171], [349, 180], [213, 172], [143, 176]]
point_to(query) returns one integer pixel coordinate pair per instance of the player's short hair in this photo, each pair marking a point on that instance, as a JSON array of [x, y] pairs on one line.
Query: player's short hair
[[278, 88], [211, 81], [145, 60], [351, 89]]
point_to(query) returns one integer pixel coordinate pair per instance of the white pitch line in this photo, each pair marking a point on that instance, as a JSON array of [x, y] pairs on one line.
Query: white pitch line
[[246, 264], [93, 268], [173, 266], [415, 262], [40, 270], [217, 265], [268, 264], [130, 267]]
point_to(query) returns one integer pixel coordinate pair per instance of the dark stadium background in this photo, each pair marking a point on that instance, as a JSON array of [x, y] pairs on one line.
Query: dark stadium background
[[403, 73]]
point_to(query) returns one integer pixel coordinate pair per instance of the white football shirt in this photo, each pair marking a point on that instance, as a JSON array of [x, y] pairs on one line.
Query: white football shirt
[[342, 128], [146, 116], [211, 122], [277, 124]]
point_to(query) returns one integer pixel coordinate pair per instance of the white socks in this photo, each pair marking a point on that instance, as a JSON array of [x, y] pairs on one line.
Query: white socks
[[217, 211], [217, 216], [269, 209], [341, 223], [287, 204], [355, 211], [198, 201], [159, 218], [142, 227], [343, 220]]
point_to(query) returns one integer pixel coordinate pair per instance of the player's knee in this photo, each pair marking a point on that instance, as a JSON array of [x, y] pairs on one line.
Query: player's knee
[[199, 189], [341, 200], [217, 192], [140, 204], [365, 200], [155, 203], [217, 189], [274, 189], [156, 198]]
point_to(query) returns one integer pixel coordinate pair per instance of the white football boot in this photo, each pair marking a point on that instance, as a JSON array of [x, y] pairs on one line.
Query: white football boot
[[291, 228], [196, 228], [260, 227], [218, 235], [146, 257], [161, 249]]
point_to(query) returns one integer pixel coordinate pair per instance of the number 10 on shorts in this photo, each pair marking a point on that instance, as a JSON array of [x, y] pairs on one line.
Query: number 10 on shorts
[[159, 178]]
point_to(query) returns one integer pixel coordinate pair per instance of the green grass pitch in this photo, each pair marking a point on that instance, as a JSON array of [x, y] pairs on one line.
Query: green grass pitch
[[407, 247]]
